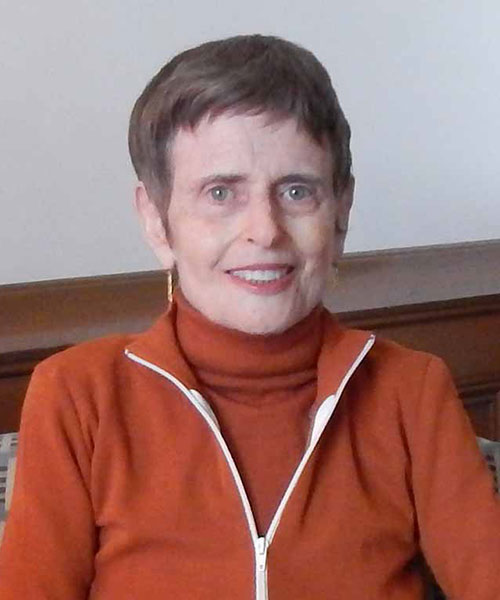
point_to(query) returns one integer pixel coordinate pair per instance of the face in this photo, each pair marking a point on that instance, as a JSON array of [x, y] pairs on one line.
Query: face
[[251, 221]]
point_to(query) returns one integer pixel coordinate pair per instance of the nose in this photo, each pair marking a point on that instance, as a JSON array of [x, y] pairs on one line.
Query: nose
[[262, 224]]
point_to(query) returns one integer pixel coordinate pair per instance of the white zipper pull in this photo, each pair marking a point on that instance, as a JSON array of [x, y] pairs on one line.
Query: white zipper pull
[[261, 569], [261, 553]]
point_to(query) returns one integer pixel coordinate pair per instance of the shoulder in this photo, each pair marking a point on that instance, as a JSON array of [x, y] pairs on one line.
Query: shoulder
[[100, 354], [390, 354], [399, 367], [77, 384], [384, 355], [101, 369], [407, 361], [86, 373], [420, 382]]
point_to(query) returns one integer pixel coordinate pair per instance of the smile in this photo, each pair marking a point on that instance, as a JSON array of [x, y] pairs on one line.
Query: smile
[[264, 280], [261, 275]]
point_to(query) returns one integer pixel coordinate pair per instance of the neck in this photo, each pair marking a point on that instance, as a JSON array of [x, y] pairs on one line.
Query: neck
[[221, 356]]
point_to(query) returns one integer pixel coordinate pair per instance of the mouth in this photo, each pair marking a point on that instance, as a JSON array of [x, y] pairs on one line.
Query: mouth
[[261, 274], [264, 279]]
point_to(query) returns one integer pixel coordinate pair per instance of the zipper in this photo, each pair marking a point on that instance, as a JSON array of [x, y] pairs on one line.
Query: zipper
[[204, 408], [321, 419], [261, 568]]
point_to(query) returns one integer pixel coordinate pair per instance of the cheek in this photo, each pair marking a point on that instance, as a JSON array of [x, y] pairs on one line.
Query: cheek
[[197, 246], [315, 244]]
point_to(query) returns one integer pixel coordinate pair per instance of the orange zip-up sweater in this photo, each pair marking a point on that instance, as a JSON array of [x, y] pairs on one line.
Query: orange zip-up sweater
[[262, 390], [126, 489]]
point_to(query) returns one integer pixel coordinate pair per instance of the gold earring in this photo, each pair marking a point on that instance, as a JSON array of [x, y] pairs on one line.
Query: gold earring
[[170, 286]]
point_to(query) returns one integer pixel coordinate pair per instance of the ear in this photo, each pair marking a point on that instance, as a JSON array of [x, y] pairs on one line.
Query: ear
[[343, 209], [152, 227]]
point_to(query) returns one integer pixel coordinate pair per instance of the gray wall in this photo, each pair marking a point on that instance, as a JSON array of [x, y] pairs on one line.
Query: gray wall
[[419, 82]]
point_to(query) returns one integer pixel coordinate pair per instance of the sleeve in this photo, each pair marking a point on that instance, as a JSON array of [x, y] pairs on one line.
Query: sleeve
[[50, 538], [457, 510]]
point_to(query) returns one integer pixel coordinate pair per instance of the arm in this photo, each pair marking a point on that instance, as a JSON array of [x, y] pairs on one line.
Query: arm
[[457, 511], [50, 540]]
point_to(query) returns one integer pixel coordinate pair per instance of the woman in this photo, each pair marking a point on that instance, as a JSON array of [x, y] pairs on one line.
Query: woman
[[246, 446]]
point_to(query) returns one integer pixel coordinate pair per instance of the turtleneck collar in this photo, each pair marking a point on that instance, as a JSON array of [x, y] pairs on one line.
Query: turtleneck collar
[[233, 361]]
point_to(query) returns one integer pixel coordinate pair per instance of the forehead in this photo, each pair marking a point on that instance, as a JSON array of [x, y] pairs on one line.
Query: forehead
[[247, 144]]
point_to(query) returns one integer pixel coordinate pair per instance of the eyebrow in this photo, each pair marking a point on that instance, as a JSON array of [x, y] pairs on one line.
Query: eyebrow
[[299, 178], [231, 178], [226, 178]]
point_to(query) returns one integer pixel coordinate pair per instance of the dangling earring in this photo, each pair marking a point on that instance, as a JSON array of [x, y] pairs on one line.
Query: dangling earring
[[170, 286]]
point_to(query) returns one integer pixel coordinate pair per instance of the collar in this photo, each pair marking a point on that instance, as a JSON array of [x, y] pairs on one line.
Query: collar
[[243, 365], [339, 349]]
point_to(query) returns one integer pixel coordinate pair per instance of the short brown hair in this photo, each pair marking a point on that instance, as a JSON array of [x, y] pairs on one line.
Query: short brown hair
[[247, 74]]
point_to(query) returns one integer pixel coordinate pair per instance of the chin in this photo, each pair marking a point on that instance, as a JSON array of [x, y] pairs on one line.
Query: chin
[[262, 328], [252, 314], [263, 324]]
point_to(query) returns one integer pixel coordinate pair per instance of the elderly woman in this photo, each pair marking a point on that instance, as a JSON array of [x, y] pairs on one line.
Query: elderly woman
[[246, 446]]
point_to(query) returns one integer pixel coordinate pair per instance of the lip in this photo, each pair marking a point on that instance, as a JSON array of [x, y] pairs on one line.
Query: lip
[[261, 267], [264, 289]]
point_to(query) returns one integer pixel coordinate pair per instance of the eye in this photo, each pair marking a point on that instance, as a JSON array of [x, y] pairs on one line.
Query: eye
[[297, 192], [220, 194]]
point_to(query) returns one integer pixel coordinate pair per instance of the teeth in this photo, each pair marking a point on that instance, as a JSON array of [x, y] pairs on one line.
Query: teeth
[[260, 276]]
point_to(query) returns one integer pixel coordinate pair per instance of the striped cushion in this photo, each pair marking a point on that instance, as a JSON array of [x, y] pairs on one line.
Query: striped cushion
[[491, 452], [8, 448]]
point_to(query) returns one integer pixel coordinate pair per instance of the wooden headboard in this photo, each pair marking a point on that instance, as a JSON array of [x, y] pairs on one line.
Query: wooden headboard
[[464, 330]]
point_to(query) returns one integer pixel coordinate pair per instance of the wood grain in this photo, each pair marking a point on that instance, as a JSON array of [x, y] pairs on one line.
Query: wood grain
[[444, 300]]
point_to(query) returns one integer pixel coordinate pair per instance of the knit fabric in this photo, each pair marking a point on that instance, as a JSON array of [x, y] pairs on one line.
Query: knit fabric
[[262, 389], [123, 489]]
